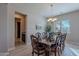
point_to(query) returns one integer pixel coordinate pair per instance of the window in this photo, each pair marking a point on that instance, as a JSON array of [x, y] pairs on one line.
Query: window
[[63, 26]]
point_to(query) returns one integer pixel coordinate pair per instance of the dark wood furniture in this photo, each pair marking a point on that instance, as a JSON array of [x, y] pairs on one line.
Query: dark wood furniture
[[51, 36], [23, 37], [37, 47], [55, 47], [45, 46], [63, 38], [38, 35], [44, 35]]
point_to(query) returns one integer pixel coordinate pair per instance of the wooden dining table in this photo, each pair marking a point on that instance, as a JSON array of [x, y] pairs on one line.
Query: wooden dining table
[[48, 43]]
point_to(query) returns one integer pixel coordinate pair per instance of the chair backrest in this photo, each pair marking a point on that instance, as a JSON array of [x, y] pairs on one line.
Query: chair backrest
[[34, 41], [44, 35], [58, 40], [38, 35], [51, 34], [63, 37]]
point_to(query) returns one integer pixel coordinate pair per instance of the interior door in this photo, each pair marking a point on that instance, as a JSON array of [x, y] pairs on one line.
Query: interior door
[[18, 29]]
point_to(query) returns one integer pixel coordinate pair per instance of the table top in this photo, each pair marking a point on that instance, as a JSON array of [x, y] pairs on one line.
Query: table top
[[47, 42]]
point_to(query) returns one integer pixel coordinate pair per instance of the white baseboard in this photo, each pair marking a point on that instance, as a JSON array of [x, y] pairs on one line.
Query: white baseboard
[[4, 54], [73, 43]]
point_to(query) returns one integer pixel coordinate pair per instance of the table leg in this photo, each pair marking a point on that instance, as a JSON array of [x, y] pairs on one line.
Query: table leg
[[48, 51]]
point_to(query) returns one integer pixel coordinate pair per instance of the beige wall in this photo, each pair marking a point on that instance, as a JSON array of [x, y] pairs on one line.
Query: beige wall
[[32, 20], [3, 28]]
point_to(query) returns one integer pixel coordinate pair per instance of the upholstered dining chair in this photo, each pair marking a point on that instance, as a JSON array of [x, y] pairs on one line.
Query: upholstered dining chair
[[51, 36], [63, 38], [44, 35], [56, 46], [38, 35], [37, 48]]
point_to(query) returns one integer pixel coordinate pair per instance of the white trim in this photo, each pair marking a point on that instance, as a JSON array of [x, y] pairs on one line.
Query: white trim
[[4, 54], [72, 43]]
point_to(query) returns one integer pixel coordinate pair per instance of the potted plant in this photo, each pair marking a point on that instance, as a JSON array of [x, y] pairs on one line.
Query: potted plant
[[48, 28]]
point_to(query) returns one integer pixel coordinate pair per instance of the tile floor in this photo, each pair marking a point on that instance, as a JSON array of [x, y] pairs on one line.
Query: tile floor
[[26, 51]]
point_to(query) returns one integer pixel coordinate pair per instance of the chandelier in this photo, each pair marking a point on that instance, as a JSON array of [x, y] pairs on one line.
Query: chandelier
[[51, 19]]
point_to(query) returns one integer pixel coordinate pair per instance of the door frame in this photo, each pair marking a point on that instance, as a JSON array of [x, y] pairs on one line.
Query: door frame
[[25, 19]]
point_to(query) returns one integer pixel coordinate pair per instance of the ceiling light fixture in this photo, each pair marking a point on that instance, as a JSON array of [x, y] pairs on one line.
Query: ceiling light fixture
[[54, 19], [50, 18]]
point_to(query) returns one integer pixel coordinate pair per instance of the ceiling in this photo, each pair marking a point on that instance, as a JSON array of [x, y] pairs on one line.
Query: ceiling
[[44, 9], [58, 9]]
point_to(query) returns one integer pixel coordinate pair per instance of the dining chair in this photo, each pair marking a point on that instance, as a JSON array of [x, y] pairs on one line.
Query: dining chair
[[63, 38], [55, 48], [51, 36], [44, 35], [38, 35], [37, 48]]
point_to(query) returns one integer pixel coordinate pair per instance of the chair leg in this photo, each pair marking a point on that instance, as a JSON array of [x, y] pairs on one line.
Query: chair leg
[[55, 52], [32, 53], [61, 50], [45, 53], [63, 47], [38, 53], [58, 51]]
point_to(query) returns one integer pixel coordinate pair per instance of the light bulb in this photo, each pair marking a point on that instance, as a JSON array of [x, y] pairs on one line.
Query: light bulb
[[54, 19], [50, 19]]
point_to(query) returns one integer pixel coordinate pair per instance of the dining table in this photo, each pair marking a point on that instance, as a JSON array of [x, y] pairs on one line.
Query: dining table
[[48, 44]]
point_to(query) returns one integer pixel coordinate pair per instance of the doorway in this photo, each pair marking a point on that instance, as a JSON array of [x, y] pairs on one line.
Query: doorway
[[18, 25], [20, 29]]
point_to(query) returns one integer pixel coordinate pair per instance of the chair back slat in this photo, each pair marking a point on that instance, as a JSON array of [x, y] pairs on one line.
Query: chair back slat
[[58, 40], [38, 35], [63, 37], [44, 35], [34, 41]]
